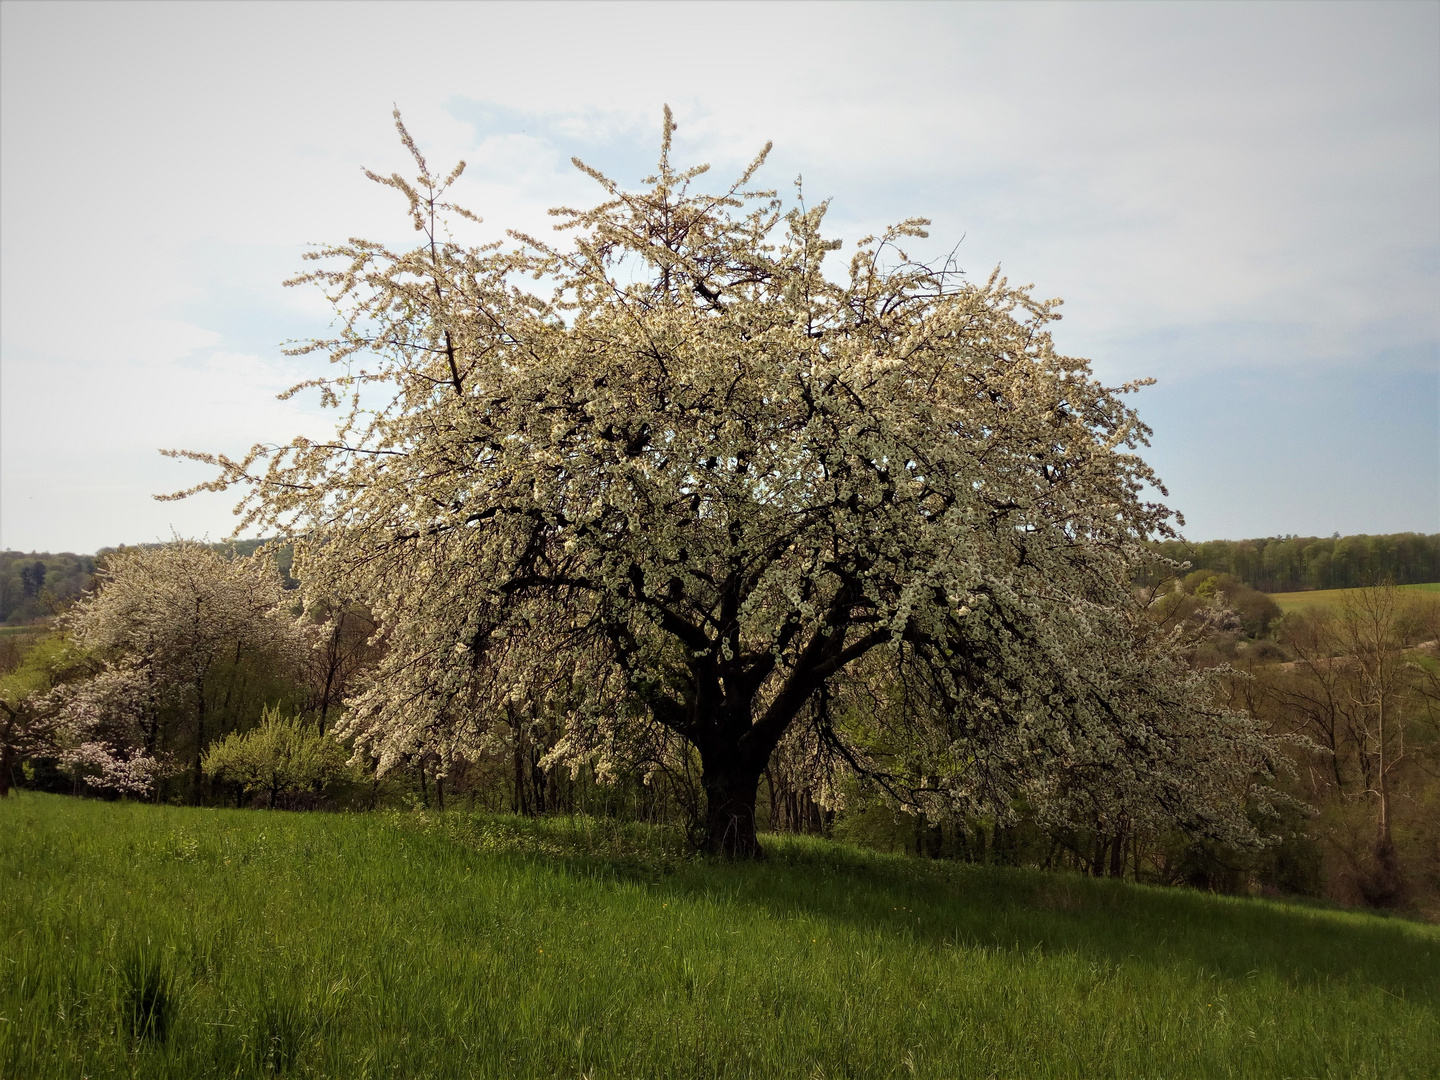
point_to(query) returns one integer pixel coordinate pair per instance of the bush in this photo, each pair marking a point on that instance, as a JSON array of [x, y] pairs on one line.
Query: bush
[[1256, 610], [280, 757]]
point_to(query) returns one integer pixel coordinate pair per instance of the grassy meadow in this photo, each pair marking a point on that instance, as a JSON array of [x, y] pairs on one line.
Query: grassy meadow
[[1298, 601], [143, 941]]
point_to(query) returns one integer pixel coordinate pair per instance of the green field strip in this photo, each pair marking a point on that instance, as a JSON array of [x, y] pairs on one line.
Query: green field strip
[[143, 941]]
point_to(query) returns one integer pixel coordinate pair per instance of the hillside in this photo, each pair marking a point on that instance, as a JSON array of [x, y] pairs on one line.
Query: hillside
[[1301, 601], [166, 942]]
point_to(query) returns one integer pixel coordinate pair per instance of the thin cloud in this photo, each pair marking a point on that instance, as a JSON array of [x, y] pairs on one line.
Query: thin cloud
[[1213, 188]]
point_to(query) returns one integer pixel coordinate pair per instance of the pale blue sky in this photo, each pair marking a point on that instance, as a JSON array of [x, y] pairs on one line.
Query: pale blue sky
[[1242, 200]]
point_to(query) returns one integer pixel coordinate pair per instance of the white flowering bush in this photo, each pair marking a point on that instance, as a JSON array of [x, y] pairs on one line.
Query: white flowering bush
[[161, 621], [673, 477], [102, 739]]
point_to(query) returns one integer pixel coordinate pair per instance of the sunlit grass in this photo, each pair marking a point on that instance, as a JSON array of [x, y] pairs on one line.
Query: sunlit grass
[[162, 942], [1299, 601]]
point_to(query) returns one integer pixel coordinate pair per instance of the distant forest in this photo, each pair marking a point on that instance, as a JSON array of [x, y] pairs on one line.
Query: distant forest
[[1294, 563], [35, 585]]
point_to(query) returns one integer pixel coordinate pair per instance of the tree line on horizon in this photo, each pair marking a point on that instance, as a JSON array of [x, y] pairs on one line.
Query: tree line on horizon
[[1278, 564], [35, 585]]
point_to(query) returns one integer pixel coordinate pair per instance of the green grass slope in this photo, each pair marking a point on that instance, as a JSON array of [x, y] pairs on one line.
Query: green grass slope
[[1300, 601], [140, 941]]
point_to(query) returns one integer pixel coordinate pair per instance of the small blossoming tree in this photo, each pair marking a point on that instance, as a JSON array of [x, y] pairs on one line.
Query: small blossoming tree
[[160, 622], [101, 737], [696, 488]]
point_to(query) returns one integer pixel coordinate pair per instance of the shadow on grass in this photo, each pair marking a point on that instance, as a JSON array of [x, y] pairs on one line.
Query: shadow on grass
[[942, 904]]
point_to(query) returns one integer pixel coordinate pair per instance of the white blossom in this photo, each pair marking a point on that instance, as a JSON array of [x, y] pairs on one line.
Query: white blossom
[[702, 488], [160, 620]]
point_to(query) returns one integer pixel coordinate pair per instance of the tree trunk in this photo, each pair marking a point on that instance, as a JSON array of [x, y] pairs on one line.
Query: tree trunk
[[1117, 856], [331, 664], [730, 792], [518, 803], [1385, 887], [1385, 841], [199, 736], [7, 763], [774, 804], [537, 781]]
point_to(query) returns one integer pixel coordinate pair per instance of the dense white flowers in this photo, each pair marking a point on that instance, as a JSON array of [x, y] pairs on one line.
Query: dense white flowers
[[101, 738], [161, 619], [700, 490]]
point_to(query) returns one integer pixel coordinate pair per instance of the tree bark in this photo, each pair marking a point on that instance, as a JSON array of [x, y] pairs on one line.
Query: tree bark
[[199, 737], [537, 782], [518, 802], [731, 788], [774, 803]]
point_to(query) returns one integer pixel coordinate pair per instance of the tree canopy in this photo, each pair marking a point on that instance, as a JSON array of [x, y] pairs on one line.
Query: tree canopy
[[163, 621], [676, 484]]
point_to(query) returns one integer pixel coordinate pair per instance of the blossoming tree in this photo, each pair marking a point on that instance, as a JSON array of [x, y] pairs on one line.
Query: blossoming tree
[[161, 622], [693, 485]]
